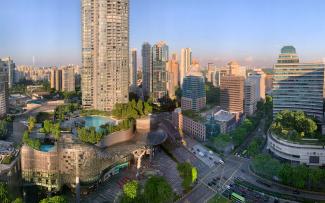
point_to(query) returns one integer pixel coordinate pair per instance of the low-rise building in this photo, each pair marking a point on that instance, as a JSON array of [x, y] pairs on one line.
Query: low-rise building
[[307, 151], [225, 120]]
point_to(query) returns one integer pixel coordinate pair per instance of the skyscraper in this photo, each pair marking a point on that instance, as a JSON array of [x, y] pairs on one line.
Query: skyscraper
[[105, 53], [258, 76], [173, 75], [194, 95], [186, 62], [133, 68], [3, 89], [232, 94], [250, 97], [146, 69], [10, 67], [159, 72], [298, 86]]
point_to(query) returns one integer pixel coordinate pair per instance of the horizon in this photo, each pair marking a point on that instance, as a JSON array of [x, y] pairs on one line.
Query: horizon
[[250, 32]]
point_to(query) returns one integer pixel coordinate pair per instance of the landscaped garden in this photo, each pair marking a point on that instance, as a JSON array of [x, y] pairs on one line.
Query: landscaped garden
[[294, 126]]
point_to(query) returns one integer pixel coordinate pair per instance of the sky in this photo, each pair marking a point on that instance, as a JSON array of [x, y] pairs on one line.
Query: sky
[[249, 31]]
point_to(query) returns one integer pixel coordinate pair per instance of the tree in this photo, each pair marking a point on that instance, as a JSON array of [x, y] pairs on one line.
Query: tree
[[158, 190], [130, 191], [54, 199], [188, 173], [140, 107], [31, 123], [18, 200], [3, 128], [4, 196]]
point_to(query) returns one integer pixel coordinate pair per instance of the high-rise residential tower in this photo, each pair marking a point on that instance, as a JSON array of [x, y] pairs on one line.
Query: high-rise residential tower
[[146, 69], [298, 86], [133, 68], [159, 73], [172, 67], [185, 64], [10, 67], [105, 53], [3, 89]]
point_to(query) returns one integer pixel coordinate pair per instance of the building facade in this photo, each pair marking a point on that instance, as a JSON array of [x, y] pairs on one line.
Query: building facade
[[10, 67], [250, 97], [4, 92], [232, 94], [258, 76], [159, 73], [146, 69], [172, 67], [298, 86], [133, 67], [105, 53], [193, 93], [63, 79], [185, 64]]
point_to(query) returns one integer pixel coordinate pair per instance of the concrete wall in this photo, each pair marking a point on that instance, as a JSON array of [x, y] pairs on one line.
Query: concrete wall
[[117, 137]]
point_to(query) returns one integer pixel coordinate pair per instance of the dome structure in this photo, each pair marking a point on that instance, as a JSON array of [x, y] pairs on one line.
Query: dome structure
[[288, 50]]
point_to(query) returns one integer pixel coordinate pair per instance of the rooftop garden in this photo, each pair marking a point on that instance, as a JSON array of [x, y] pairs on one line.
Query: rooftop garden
[[193, 115], [294, 126]]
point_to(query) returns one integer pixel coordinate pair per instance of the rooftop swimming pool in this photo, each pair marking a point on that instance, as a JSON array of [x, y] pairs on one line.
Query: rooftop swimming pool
[[47, 148], [97, 121]]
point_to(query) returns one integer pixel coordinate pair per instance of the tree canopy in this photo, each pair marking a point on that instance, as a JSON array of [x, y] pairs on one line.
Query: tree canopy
[[131, 109], [188, 173], [158, 190], [294, 125], [54, 199]]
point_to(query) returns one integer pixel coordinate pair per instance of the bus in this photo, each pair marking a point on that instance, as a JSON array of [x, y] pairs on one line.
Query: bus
[[237, 198]]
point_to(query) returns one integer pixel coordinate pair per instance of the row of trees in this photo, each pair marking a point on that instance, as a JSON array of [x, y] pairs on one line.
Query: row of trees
[[296, 176], [5, 196], [89, 135], [156, 189], [294, 125], [33, 143], [3, 128], [62, 111], [188, 173], [132, 109], [51, 128], [109, 128]]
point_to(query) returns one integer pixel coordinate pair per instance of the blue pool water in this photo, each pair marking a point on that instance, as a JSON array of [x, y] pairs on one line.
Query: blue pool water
[[96, 121], [47, 148]]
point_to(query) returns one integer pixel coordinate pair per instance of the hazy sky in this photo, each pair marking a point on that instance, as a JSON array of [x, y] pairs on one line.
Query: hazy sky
[[250, 31]]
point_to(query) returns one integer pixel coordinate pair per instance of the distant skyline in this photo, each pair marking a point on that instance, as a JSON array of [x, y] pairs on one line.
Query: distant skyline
[[249, 31]]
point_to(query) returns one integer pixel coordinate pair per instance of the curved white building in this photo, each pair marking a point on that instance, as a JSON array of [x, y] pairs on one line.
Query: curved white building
[[307, 152]]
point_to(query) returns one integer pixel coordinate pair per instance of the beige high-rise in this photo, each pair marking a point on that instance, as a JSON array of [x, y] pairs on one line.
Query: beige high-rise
[[186, 62], [232, 94], [105, 53], [173, 74]]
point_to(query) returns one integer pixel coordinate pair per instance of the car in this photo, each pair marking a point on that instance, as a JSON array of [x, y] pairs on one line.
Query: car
[[220, 161], [210, 158], [209, 184], [214, 183]]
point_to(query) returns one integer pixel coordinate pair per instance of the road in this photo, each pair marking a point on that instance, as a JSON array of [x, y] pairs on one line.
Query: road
[[235, 167]]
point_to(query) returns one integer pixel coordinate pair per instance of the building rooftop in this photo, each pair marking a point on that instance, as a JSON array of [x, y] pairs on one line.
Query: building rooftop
[[223, 115], [288, 50]]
